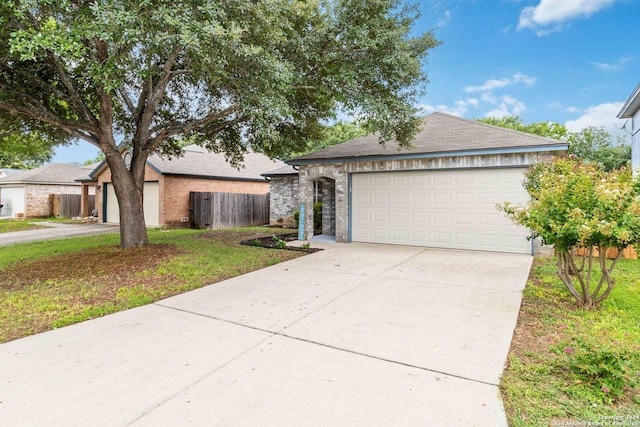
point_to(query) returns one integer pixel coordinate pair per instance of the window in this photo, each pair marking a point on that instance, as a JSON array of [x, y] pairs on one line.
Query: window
[[317, 192]]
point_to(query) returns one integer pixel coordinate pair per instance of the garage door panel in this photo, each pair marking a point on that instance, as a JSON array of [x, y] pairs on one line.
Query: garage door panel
[[401, 217], [13, 200], [381, 199], [440, 198], [448, 209], [464, 219], [151, 204], [381, 216]]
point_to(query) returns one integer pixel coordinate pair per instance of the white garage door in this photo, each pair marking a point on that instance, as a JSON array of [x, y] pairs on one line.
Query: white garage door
[[151, 204], [13, 200], [443, 209]]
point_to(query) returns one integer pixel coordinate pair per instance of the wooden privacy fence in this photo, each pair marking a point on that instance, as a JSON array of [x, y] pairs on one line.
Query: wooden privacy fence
[[228, 210], [68, 205]]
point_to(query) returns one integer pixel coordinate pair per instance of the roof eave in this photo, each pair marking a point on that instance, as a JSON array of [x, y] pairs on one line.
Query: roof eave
[[408, 156], [222, 178], [279, 174], [631, 106]]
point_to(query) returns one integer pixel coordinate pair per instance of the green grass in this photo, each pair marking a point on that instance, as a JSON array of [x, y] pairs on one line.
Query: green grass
[[55, 283], [7, 225], [568, 364]]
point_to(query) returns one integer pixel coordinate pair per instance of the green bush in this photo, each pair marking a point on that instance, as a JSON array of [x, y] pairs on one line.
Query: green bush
[[600, 362], [580, 205], [317, 216]]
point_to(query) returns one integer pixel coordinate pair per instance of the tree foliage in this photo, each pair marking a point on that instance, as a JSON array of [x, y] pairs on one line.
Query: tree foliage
[[330, 136], [546, 129], [232, 76], [591, 144], [26, 144], [580, 205], [597, 145]]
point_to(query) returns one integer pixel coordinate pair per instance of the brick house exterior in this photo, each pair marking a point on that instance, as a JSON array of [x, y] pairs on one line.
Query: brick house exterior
[[198, 170], [28, 193]]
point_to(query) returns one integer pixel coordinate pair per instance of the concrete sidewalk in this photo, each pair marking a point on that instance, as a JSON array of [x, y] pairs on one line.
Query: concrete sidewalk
[[358, 335], [56, 230]]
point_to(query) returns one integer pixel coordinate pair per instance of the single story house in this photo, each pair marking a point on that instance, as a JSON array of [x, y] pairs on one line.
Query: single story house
[[27, 193], [441, 192], [631, 110], [168, 183]]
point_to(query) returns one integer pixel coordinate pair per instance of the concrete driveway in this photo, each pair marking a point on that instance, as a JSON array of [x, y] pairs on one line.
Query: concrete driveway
[[56, 230], [357, 335]]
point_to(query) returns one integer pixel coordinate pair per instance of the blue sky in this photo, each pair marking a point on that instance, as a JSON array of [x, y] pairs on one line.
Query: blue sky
[[569, 61]]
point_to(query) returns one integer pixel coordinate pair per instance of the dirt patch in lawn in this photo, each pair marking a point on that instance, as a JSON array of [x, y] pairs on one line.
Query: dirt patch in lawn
[[113, 264], [64, 285]]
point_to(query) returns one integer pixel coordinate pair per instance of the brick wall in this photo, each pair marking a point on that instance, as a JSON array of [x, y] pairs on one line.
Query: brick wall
[[174, 193], [283, 200]]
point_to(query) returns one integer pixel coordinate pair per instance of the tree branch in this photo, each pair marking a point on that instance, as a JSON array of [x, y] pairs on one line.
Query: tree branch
[[44, 115], [127, 101], [177, 128], [163, 134]]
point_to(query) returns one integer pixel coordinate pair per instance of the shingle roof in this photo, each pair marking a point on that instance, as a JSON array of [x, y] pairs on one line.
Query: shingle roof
[[198, 161], [439, 133], [59, 173]]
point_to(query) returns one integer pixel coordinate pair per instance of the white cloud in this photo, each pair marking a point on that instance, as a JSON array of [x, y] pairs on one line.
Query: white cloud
[[459, 109], [508, 107], [555, 12], [492, 84], [488, 98], [500, 105], [444, 20], [549, 31], [599, 115], [573, 110], [616, 66]]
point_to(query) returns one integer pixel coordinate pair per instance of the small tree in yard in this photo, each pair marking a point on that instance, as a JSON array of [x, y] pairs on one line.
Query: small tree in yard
[[579, 205], [229, 75]]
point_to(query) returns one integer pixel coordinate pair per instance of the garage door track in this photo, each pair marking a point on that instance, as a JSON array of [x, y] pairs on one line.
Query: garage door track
[[357, 335]]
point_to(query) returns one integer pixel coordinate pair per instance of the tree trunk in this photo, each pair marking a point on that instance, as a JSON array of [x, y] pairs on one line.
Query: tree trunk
[[129, 192]]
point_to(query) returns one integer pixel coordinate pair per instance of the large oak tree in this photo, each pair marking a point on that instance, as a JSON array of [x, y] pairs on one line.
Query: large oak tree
[[231, 75]]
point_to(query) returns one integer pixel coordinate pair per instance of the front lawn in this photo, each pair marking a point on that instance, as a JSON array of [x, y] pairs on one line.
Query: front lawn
[[567, 365], [7, 225], [55, 283]]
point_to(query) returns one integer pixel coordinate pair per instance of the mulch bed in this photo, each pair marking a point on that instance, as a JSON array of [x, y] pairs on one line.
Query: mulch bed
[[271, 243]]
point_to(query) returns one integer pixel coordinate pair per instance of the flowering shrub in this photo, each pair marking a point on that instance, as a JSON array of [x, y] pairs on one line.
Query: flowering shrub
[[576, 204]]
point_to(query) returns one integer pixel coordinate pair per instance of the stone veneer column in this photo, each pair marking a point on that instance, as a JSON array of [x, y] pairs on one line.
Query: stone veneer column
[[336, 172], [328, 206]]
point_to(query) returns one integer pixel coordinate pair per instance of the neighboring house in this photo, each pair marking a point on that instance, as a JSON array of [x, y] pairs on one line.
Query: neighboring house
[[169, 182], [27, 193], [631, 110], [442, 192]]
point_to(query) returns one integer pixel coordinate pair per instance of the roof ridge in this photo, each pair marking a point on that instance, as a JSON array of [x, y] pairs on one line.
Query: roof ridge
[[475, 121]]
